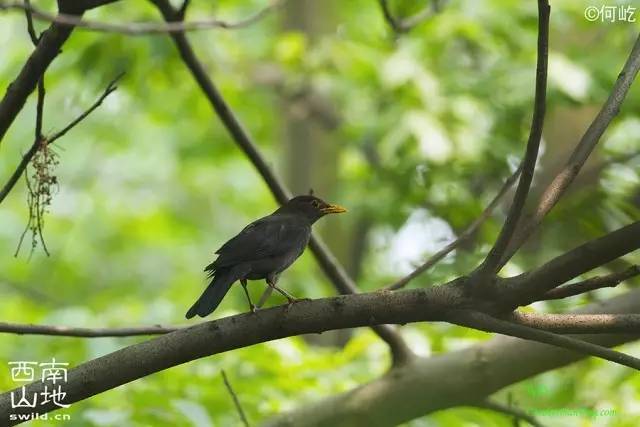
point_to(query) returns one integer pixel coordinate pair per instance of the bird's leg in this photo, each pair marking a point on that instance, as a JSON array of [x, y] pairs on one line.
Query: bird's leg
[[271, 281], [252, 307], [287, 295]]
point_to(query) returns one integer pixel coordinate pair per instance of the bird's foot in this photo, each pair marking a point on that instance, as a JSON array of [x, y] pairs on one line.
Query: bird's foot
[[253, 308], [293, 300]]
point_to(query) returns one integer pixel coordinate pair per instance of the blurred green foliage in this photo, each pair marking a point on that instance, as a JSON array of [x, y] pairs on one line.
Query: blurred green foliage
[[430, 124]]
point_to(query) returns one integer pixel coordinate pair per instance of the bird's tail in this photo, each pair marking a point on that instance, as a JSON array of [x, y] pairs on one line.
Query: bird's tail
[[212, 296]]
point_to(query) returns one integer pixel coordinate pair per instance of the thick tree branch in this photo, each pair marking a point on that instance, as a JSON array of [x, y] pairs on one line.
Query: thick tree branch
[[609, 281], [400, 307], [583, 150], [494, 260], [141, 28], [578, 261], [558, 323], [233, 332], [464, 236], [357, 310], [327, 261], [420, 388]]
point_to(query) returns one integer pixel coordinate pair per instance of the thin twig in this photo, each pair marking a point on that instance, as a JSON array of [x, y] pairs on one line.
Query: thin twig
[[495, 259], [39, 222], [34, 148], [35, 39], [39, 111], [404, 25], [30, 28], [464, 236], [329, 264], [511, 411], [143, 28], [39, 206], [33, 198], [412, 21], [236, 401], [108, 90], [487, 323], [48, 48], [70, 331], [609, 281], [583, 150], [388, 16], [29, 220]]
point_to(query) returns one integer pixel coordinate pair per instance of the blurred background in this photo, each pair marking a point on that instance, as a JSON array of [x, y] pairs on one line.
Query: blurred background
[[413, 133]]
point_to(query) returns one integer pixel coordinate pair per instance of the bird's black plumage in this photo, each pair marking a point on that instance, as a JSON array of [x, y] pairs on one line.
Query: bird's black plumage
[[262, 250]]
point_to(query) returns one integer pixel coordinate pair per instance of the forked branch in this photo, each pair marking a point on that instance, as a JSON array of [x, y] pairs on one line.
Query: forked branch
[[495, 259]]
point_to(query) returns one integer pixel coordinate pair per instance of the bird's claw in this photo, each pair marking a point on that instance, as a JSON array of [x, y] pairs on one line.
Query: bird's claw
[[296, 300], [253, 308]]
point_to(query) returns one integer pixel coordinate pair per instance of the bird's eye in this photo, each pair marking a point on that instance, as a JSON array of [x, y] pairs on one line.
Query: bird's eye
[[315, 203]]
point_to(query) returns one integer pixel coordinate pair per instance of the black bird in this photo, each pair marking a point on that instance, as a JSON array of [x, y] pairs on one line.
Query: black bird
[[262, 250]]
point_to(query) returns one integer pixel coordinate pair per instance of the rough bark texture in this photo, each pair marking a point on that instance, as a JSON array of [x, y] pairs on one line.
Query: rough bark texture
[[453, 379]]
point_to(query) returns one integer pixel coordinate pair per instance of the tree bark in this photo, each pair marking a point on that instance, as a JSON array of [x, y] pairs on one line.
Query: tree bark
[[427, 385]]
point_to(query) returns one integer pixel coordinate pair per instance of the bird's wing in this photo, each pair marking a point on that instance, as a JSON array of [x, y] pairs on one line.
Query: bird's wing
[[269, 236]]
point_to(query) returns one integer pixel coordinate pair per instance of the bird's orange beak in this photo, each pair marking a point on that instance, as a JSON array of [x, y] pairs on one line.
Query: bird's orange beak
[[332, 209]]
